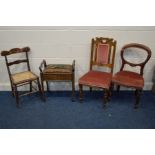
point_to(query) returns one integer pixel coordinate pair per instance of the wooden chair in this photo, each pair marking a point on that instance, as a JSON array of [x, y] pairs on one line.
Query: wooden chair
[[57, 72], [21, 78], [129, 78], [102, 55]]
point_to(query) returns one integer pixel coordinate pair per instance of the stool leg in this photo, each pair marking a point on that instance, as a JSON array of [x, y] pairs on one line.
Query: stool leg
[[39, 87], [42, 86], [47, 84], [73, 88]]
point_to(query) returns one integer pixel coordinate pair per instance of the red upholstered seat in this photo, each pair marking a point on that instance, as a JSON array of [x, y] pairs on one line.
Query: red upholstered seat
[[129, 79], [96, 79]]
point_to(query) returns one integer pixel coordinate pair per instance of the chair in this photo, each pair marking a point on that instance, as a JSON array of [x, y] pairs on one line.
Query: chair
[[102, 55], [129, 78], [20, 78], [57, 72]]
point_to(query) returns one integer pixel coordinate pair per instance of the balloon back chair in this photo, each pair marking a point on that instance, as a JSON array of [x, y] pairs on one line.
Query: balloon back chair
[[128, 78], [20, 78], [102, 56]]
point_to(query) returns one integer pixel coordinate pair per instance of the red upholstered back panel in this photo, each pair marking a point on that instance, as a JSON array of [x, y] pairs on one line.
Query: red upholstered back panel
[[102, 54]]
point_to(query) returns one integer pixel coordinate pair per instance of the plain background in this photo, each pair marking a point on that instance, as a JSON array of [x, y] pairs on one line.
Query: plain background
[[63, 44], [77, 13]]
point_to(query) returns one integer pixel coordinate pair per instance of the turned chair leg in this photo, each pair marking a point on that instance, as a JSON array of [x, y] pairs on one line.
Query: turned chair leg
[[111, 90], [90, 88], [137, 94], [105, 98], [118, 88], [81, 93]]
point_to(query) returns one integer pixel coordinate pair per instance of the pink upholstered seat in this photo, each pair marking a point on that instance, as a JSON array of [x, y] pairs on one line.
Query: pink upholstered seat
[[129, 79], [96, 79]]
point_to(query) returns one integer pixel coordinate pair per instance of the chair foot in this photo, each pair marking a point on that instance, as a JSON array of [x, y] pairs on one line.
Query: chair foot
[[44, 99], [104, 105], [18, 106], [81, 99], [73, 99], [136, 106]]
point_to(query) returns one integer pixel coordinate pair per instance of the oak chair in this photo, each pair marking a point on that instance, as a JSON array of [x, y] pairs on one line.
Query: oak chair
[[128, 78], [102, 55], [57, 72], [20, 78]]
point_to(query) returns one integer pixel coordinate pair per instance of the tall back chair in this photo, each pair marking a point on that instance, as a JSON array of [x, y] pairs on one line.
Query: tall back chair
[[129, 78], [102, 55], [20, 78]]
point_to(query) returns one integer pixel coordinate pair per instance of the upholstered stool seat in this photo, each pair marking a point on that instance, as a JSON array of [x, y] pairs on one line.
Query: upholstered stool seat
[[57, 68]]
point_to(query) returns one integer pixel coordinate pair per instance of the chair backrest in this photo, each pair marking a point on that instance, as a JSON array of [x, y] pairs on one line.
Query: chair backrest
[[16, 51], [138, 46], [103, 52]]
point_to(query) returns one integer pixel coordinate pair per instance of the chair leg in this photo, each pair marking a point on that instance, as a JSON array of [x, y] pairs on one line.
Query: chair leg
[[137, 94], [13, 92], [16, 95], [111, 90], [73, 89], [118, 88], [81, 92], [39, 87], [153, 88], [90, 88], [43, 92], [106, 96], [31, 86]]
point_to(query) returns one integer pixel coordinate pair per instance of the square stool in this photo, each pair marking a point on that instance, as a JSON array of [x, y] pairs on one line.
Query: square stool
[[57, 72]]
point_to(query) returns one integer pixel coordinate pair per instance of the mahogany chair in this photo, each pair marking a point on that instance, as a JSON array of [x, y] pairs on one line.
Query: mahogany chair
[[102, 55], [128, 78], [21, 78], [57, 72]]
